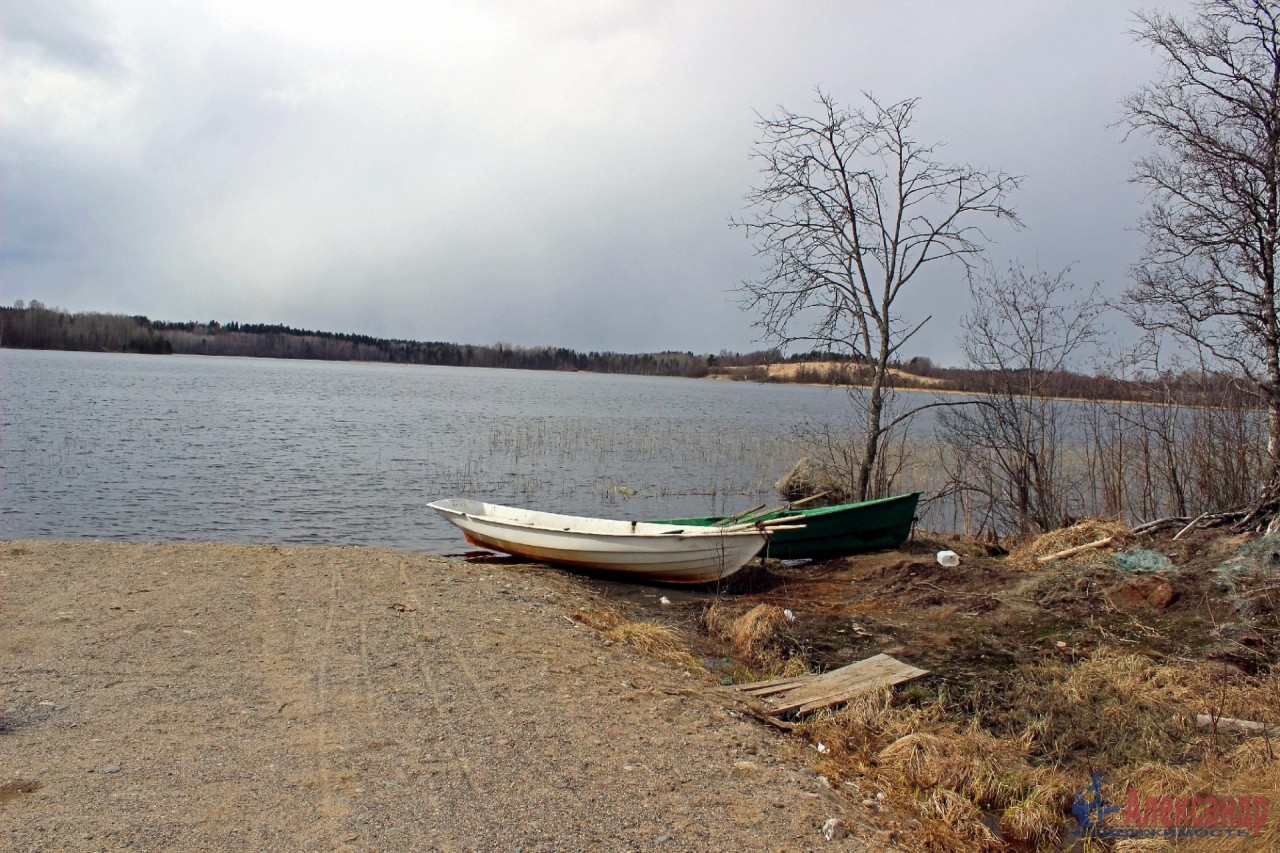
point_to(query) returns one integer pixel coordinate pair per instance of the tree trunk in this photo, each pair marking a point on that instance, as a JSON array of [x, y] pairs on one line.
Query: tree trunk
[[1272, 388], [1273, 442], [871, 443]]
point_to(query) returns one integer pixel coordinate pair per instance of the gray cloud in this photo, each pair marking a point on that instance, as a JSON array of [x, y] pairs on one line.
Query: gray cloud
[[71, 33], [518, 172]]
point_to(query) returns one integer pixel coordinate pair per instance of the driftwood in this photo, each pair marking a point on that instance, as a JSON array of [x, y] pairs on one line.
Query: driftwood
[[1231, 724], [1260, 511], [1161, 524], [1199, 518], [1101, 543], [1186, 523]]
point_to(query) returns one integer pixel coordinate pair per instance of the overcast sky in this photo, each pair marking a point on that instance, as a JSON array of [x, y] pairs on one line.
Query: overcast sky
[[536, 173]]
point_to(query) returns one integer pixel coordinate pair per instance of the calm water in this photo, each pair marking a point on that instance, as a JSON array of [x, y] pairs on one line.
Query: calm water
[[187, 448]]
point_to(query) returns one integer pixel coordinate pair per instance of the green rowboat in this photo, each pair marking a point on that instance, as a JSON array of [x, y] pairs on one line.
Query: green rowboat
[[833, 531]]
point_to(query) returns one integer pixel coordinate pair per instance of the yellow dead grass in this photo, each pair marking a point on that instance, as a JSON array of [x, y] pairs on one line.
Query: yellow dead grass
[[1123, 714], [652, 639], [1026, 556], [749, 633], [759, 636], [950, 773]]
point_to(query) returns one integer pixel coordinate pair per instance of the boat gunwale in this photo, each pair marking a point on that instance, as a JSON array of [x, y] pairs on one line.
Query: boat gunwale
[[808, 512], [696, 532]]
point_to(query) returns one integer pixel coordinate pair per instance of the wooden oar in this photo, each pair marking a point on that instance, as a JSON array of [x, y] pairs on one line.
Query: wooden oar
[[752, 514], [733, 518], [766, 525]]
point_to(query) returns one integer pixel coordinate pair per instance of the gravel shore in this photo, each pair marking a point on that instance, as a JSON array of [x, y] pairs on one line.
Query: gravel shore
[[253, 697]]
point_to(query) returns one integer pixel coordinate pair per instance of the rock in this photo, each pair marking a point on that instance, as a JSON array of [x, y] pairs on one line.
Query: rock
[[1145, 591], [746, 766], [834, 829], [662, 839], [111, 768]]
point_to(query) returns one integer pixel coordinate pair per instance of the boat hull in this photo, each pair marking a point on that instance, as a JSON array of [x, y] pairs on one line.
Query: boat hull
[[643, 550], [835, 531]]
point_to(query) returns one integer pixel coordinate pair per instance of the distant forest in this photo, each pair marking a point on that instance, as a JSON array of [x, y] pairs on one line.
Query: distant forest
[[35, 326]]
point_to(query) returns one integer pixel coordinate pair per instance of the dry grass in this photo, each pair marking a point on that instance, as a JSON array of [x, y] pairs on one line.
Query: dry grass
[[760, 636], [947, 772], [1006, 775], [751, 633], [1089, 530], [650, 638], [1111, 708]]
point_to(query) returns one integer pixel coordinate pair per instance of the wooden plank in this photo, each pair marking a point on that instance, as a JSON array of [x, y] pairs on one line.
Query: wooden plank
[[809, 693], [825, 701], [778, 685], [823, 691]]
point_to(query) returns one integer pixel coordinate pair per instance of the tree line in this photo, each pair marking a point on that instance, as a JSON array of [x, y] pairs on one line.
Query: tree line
[[36, 326]]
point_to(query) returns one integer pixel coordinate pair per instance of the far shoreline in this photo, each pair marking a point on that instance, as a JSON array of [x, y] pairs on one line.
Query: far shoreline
[[784, 370]]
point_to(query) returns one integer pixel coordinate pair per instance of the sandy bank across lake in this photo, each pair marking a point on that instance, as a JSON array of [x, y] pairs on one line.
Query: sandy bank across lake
[[235, 697]]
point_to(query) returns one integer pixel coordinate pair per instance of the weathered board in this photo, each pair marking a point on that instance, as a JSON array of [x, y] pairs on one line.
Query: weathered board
[[807, 693]]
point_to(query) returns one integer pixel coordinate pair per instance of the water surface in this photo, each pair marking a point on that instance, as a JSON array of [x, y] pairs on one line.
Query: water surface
[[191, 448]]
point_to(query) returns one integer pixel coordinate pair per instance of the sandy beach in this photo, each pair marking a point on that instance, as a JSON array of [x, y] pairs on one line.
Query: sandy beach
[[235, 697]]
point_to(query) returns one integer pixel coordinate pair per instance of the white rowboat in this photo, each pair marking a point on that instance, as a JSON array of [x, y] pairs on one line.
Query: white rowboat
[[659, 552]]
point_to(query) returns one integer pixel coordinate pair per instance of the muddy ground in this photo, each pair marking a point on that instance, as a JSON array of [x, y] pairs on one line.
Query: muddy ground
[[1213, 601]]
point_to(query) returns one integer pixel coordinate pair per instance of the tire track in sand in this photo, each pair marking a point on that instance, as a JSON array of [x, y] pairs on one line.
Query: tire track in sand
[[432, 669], [298, 663]]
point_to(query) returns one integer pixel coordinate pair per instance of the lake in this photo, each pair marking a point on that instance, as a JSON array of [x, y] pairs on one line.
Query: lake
[[191, 448]]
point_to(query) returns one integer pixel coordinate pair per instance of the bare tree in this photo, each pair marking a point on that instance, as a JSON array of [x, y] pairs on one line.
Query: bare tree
[[1208, 276], [849, 210], [1022, 331]]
